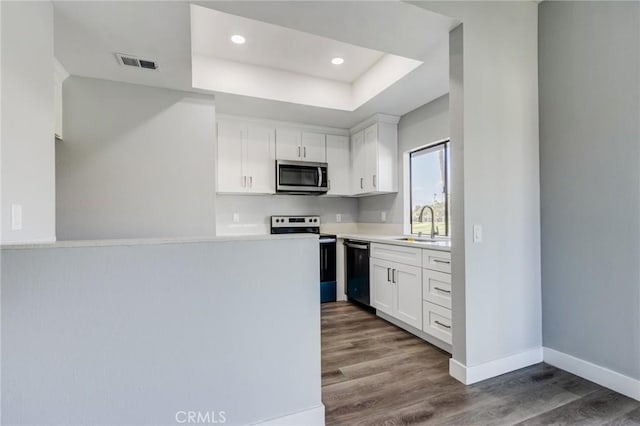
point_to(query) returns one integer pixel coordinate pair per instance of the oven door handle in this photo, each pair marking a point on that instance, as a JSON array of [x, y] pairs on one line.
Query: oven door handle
[[327, 240], [320, 176]]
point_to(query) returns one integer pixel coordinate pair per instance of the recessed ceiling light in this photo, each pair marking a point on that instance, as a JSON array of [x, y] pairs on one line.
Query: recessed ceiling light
[[337, 61], [238, 39]]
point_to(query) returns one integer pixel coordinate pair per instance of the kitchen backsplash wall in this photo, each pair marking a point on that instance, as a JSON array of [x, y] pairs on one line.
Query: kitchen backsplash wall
[[253, 211]]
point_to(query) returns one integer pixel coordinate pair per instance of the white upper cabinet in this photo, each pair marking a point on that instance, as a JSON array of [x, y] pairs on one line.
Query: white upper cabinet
[[296, 145], [339, 176], [375, 156], [288, 144], [231, 176], [260, 161], [59, 75], [246, 160], [357, 163], [314, 147]]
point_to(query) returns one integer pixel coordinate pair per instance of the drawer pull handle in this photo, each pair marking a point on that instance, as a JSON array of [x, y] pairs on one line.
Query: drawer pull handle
[[389, 274], [441, 324], [448, 262], [442, 290]]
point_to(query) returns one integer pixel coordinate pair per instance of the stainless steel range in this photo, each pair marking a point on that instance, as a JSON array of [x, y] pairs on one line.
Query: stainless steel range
[[311, 225]]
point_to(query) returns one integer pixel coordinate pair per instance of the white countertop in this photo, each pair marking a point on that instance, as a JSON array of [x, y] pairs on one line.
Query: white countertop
[[154, 241], [441, 244]]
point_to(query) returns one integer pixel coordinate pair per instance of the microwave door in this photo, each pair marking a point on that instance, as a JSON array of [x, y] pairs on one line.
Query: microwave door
[[301, 177], [298, 176]]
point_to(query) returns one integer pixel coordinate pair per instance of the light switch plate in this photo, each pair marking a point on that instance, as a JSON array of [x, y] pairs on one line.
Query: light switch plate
[[16, 217], [477, 233], [338, 217], [383, 216], [236, 218]]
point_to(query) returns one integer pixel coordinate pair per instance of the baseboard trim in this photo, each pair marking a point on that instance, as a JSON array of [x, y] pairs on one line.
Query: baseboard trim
[[311, 417], [603, 376], [477, 373], [416, 332]]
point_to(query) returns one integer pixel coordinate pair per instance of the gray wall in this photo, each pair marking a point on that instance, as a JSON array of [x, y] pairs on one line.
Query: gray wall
[[590, 176], [135, 162], [129, 335], [427, 124], [27, 137]]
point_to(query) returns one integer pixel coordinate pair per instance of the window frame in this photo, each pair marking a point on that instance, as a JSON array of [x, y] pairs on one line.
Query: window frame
[[447, 148]]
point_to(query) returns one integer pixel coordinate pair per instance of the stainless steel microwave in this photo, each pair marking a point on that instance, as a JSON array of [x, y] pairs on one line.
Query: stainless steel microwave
[[301, 177]]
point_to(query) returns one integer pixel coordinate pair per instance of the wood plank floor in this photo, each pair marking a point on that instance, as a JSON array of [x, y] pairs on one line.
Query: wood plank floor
[[374, 373]]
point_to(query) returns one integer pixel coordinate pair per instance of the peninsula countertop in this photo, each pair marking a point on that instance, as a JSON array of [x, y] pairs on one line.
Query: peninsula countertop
[[153, 241]]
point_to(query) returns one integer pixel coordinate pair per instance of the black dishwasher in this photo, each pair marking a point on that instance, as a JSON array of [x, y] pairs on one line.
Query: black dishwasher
[[357, 259]]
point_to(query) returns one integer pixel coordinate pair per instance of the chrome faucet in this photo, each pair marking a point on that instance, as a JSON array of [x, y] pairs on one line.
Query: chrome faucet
[[434, 231]]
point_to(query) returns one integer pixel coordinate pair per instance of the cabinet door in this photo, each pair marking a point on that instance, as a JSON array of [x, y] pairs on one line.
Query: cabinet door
[[314, 147], [408, 303], [260, 161], [231, 140], [382, 288], [357, 163], [339, 165], [370, 171], [288, 144]]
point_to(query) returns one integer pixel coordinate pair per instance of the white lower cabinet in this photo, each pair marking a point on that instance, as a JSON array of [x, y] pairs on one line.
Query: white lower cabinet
[[381, 285], [436, 293], [413, 286], [436, 321], [408, 282], [436, 288], [397, 290]]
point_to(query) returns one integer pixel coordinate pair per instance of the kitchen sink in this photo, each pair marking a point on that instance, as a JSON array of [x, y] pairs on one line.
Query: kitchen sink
[[417, 240]]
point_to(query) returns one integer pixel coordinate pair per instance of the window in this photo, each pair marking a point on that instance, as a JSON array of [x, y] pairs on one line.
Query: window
[[429, 186]]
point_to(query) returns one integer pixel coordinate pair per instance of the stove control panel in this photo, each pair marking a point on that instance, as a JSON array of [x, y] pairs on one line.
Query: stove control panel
[[294, 221]]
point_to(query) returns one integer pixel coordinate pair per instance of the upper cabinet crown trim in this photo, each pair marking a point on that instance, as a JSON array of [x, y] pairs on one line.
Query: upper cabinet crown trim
[[287, 124], [377, 118]]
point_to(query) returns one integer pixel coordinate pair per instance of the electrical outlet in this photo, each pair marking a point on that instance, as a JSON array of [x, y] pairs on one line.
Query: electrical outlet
[[477, 233], [338, 217], [16, 217], [236, 218], [383, 216]]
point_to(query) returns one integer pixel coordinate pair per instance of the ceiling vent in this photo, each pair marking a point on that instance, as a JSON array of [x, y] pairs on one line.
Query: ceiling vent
[[132, 61]]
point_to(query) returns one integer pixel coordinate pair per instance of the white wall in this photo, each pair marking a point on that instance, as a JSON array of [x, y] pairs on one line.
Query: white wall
[[255, 211], [500, 180], [131, 334], [427, 124], [136, 162], [27, 135]]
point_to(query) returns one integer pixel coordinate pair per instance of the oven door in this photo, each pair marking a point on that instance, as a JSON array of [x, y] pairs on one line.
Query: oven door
[[301, 177]]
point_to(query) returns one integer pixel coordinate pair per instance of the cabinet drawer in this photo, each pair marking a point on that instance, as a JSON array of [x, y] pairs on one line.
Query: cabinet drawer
[[436, 288], [436, 260], [400, 254], [436, 321]]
